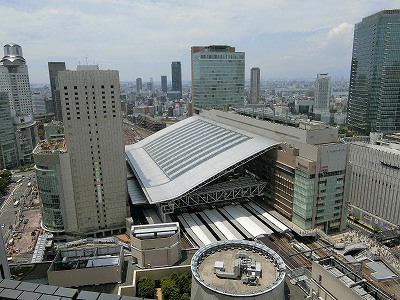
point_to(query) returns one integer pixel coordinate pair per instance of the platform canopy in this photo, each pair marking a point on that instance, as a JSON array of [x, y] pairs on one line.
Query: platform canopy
[[180, 158]]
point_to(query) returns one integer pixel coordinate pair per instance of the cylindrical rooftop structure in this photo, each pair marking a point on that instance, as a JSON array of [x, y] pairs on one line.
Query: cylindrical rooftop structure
[[237, 269]]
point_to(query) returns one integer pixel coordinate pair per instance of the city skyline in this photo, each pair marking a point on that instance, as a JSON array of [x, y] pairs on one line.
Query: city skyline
[[286, 39]]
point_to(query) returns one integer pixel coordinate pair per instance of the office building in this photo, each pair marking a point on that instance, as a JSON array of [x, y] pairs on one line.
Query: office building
[[54, 68], [373, 186], [90, 101], [14, 80], [8, 148], [374, 103], [323, 91], [217, 77], [176, 75], [139, 85], [164, 86], [254, 85]]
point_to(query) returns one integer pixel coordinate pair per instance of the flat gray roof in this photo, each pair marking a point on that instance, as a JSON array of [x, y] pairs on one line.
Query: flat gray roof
[[177, 159]]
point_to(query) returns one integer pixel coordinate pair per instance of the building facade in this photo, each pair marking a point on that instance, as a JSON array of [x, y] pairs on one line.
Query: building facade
[[373, 188], [305, 176], [14, 80], [54, 68], [254, 85], [176, 72], [8, 148], [374, 103], [54, 181], [164, 86], [323, 91], [90, 101], [217, 77]]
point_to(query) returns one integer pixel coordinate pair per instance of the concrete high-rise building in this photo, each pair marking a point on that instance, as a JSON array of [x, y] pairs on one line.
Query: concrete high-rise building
[[8, 149], [176, 72], [139, 86], [54, 68], [323, 91], [217, 77], [14, 80], [254, 85], [164, 86], [90, 101], [374, 104]]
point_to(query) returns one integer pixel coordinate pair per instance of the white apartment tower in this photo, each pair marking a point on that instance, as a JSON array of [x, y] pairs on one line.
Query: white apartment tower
[[90, 101], [254, 85], [323, 91]]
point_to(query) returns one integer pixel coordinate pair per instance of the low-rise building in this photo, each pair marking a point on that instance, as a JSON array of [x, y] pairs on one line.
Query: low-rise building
[[156, 245]]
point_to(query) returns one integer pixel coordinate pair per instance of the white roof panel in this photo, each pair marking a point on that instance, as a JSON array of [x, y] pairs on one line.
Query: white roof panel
[[179, 158]]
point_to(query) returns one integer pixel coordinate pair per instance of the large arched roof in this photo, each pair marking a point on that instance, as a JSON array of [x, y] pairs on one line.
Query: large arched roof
[[177, 159]]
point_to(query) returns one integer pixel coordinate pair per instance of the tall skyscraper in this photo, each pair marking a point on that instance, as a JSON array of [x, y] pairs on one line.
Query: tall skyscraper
[[323, 91], [139, 85], [217, 77], [374, 103], [54, 68], [176, 72], [90, 102], [8, 149], [164, 86], [14, 80], [254, 85]]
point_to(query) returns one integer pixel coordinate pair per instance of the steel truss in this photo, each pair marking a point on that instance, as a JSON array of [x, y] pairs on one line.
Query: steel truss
[[226, 191]]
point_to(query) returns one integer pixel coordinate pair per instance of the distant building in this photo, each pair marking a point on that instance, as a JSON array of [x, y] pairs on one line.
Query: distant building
[[176, 72], [254, 85], [14, 80], [54, 68], [323, 91], [164, 86], [217, 77], [374, 103], [8, 148], [39, 104], [90, 101], [139, 85]]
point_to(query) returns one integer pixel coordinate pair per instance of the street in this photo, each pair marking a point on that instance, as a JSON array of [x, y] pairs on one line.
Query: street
[[18, 191]]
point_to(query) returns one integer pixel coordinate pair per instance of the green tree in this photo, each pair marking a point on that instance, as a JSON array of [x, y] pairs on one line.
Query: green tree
[[185, 282], [185, 297], [146, 287], [169, 289]]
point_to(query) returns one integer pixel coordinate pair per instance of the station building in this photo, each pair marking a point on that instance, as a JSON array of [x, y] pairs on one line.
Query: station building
[[222, 157]]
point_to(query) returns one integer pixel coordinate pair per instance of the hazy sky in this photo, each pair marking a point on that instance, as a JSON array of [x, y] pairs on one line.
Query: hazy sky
[[140, 38]]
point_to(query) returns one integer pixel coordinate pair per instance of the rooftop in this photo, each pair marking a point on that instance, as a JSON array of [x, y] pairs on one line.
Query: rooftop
[[179, 158], [224, 255]]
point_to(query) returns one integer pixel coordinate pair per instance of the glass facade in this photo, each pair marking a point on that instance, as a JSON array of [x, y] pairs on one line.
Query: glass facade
[[374, 97], [176, 72], [303, 200], [218, 77], [49, 197], [329, 200], [8, 149]]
